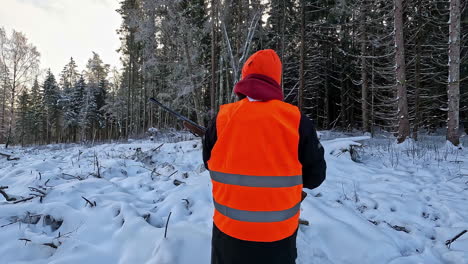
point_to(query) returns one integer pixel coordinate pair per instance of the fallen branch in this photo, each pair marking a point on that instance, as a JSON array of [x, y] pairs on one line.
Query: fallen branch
[[25, 200], [8, 157], [72, 176], [33, 189], [9, 224], [303, 222], [450, 241], [7, 197]]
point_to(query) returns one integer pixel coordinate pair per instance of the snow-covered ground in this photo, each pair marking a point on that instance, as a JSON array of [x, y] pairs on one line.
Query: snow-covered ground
[[110, 204]]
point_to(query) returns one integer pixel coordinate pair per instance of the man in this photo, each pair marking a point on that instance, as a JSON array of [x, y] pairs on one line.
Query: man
[[260, 152]]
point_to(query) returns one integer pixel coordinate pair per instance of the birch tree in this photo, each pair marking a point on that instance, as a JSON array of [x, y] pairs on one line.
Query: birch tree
[[20, 59]]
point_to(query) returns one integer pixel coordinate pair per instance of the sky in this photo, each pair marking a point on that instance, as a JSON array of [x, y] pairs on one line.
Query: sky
[[61, 29]]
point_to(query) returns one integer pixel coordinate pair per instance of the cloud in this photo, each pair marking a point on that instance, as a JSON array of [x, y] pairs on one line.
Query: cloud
[[66, 28]]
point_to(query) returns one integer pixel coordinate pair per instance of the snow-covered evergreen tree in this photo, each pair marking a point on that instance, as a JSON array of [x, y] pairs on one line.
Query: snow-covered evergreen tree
[[37, 112], [51, 98], [24, 117]]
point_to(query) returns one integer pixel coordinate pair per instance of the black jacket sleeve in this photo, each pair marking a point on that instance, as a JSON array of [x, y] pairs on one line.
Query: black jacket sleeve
[[209, 141], [311, 155]]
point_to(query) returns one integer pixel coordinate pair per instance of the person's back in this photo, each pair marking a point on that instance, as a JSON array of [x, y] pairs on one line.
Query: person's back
[[260, 151]]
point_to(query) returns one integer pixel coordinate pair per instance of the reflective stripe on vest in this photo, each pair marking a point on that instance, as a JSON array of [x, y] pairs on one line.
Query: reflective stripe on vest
[[257, 216], [256, 181]]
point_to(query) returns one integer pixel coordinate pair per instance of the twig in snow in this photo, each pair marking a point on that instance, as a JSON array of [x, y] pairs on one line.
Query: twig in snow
[[92, 204], [172, 174], [459, 176], [154, 172], [45, 184], [167, 224], [25, 240], [356, 197], [399, 228], [155, 149], [97, 166], [187, 204], [52, 245], [344, 194], [177, 182], [7, 197], [450, 241], [32, 189]]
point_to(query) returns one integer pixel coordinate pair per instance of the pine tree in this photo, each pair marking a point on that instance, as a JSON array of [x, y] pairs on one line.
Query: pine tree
[[37, 113], [51, 108], [88, 113], [24, 116], [69, 76]]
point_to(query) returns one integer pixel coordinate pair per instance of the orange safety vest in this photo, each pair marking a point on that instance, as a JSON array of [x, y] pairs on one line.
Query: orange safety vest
[[255, 170]]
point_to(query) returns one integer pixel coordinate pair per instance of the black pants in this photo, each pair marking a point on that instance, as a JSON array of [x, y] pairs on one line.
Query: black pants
[[228, 250]]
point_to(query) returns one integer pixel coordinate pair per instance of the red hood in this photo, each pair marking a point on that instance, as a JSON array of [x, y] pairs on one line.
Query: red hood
[[259, 87]]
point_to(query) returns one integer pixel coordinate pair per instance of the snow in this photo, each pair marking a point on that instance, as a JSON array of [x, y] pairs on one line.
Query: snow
[[397, 204]]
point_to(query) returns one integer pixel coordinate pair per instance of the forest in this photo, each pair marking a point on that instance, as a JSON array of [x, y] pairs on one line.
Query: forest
[[374, 66]]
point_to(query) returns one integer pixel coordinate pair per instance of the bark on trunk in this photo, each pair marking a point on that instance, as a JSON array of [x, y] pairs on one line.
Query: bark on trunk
[[213, 57], [364, 76], [453, 91], [302, 81], [195, 95], [403, 121], [417, 85]]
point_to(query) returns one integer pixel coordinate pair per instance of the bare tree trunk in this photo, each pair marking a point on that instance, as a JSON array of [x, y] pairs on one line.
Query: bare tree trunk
[[302, 75], [221, 82], [12, 106], [213, 57], [4, 103], [326, 102], [417, 85], [453, 91], [372, 96], [403, 121], [195, 95], [364, 76]]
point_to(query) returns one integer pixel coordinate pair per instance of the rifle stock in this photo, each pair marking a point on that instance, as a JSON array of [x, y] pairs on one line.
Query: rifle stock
[[193, 127]]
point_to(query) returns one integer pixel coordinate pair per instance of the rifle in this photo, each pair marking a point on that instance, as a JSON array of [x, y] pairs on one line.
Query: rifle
[[193, 127]]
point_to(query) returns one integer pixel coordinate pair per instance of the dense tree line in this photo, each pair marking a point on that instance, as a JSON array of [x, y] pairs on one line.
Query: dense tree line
[[397, 66], [369, 65], [70, 109]]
